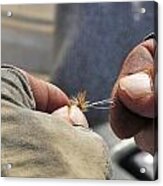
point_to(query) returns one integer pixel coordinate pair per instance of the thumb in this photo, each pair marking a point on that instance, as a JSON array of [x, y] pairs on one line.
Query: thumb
[[72, 114], [136, 92]]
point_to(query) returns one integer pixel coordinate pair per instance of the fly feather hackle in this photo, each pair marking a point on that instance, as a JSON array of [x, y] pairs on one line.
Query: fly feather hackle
[[80, 101]]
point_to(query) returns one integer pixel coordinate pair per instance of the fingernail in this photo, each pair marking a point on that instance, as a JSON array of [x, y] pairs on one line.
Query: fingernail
[[136, 85], [150, 36]]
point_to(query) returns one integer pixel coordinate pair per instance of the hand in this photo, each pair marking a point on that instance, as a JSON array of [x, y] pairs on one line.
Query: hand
[[134, 112], [51, 99]]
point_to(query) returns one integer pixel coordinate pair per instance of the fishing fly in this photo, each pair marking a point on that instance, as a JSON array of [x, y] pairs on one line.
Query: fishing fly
[[84, 105]]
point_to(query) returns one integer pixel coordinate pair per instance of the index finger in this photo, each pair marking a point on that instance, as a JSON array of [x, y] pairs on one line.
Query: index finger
[[48, 97]]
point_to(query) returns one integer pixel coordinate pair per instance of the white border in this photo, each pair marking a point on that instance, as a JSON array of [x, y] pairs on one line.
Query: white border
[[52, 182], [61, 1]]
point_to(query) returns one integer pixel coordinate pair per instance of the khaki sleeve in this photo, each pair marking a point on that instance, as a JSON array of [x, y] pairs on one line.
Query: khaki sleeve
[[37, 144]]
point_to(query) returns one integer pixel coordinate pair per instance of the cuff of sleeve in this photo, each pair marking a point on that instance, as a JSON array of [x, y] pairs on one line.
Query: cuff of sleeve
[[16, 88]]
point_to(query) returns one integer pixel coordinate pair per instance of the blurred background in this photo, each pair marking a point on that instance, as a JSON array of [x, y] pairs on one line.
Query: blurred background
[[78, 47], [28, 37]]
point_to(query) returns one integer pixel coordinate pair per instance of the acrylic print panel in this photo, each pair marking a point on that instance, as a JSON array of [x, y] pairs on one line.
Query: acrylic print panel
[[101, 121]]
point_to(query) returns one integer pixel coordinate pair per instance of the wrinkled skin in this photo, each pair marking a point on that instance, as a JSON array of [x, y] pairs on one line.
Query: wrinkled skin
[[132, 114]]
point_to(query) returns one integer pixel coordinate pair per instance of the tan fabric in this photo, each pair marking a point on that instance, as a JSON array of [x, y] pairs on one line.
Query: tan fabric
[[36, 144]]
